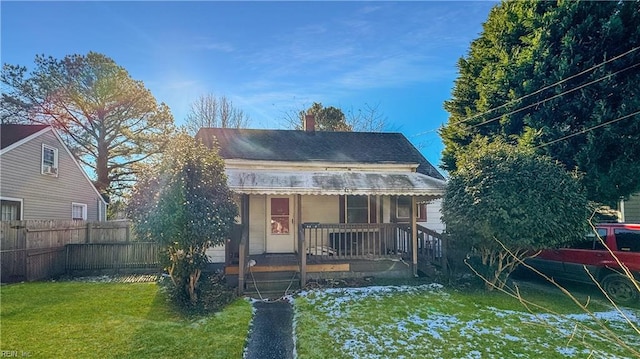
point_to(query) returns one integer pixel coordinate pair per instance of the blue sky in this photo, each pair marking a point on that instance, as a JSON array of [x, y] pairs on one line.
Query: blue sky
[[269, 58]]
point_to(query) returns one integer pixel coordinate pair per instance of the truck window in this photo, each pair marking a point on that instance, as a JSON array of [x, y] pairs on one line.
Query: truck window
[[628, 240], [591, 241]]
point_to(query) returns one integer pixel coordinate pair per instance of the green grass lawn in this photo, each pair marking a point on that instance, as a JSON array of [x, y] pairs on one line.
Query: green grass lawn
[[113, 320], [133, 320], [423, 322]]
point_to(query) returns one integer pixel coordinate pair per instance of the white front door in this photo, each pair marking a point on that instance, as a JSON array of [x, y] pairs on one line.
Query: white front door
[[280, 224]]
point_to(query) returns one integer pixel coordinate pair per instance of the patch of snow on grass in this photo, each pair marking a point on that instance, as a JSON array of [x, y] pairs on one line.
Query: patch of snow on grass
[[426, 329]]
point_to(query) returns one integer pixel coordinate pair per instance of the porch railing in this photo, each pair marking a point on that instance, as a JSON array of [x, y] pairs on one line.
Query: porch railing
[[431, 247], [354, 241]]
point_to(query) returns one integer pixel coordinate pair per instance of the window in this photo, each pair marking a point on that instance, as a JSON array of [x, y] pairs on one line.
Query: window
[[591, 241], [279, 215], [11, 210], [628, 240], [79, 211], [358, 209], [403, 207], [49, 160], [421, 212]]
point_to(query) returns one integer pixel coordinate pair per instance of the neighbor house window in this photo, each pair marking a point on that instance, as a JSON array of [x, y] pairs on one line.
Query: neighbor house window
[[11, 210], [49, 160], [79, 211], [358, 209]]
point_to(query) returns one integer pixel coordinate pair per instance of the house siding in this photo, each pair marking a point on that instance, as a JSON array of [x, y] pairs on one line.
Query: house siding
[[434, 216], [47, 197], [257, 223], [632, 209]]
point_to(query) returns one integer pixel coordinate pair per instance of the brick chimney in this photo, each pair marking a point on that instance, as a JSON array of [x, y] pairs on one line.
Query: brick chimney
[[309, 123]]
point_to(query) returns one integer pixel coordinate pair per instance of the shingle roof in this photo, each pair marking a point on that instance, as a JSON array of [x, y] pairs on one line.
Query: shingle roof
[[12, 133], [294, 145]]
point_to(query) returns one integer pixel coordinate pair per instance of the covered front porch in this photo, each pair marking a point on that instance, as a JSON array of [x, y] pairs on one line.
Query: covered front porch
[[318, 223], [339, 250]]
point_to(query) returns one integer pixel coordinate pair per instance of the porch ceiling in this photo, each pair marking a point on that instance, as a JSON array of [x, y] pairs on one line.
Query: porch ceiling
[[260, 181]]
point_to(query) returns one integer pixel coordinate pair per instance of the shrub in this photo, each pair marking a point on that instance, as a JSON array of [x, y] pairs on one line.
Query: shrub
[[504, 202], [185, 204]]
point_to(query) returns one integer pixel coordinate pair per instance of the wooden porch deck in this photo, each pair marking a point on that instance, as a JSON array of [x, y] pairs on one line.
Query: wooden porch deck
[[288, 263], [339, 251]]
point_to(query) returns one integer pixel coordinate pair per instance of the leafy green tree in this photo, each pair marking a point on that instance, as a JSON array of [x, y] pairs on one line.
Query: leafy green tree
[[505, 202], [327, 118], [563, 76], [184, 203], [366, 118], [212, 111], [108, 120]]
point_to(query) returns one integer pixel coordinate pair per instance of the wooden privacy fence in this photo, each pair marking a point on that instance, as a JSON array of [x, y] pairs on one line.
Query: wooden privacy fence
[[38, 249], [100, 256]]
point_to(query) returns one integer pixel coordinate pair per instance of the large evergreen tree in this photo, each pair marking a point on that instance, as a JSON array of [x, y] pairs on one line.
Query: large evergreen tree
[[108, 120], [562, 76]]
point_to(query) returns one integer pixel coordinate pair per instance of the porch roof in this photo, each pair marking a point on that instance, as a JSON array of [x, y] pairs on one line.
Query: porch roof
[[261, 181]]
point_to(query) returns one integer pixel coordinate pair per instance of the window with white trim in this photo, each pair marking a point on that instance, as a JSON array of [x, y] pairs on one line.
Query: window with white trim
[[49, 160], [79, 211], [11, 210]]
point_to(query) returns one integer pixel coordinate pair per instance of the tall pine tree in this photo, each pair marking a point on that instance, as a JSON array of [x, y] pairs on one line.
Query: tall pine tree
[[563, 77]]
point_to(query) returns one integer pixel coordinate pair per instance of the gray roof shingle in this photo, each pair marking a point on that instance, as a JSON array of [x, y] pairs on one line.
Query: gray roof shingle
[[295, 145], [12, 133]]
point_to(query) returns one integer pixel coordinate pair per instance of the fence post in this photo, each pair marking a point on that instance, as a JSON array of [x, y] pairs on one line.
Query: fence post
[[23, 243], [87, 239]]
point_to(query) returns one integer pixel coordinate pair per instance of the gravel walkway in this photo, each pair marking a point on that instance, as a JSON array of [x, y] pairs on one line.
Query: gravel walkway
[[271, 334]]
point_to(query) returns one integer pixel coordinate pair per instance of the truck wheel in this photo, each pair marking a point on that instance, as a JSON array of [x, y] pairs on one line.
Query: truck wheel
[[620, 289]]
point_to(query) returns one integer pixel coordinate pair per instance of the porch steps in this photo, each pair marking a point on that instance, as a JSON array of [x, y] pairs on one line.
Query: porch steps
[[271, 285]]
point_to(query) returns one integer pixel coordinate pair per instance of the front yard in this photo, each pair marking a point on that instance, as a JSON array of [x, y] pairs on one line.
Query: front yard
[[132, 320], [112, 320], [430, 322]]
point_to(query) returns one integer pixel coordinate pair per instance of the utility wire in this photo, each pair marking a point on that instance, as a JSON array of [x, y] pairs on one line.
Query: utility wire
[[589, 129], [555, 96], [549, 86], [537, 92]]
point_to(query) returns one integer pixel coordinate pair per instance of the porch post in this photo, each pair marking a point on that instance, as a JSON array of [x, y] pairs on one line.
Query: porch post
[[302, 246], [414, 237], [243, 247]]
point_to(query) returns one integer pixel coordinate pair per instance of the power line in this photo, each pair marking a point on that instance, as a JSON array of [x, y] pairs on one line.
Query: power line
[[555, 96], [549, 86], [538, 91], [589, 129]]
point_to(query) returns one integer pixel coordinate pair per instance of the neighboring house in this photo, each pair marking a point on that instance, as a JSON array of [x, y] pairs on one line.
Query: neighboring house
[[40, 178], [333, 199], [630, 209]]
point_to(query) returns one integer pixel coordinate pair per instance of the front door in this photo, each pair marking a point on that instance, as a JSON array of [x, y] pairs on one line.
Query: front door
[[280, 224]]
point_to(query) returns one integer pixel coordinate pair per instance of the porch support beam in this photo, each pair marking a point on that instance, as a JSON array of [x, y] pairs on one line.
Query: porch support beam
[[414, 237], [302, 246], [243, 247]]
